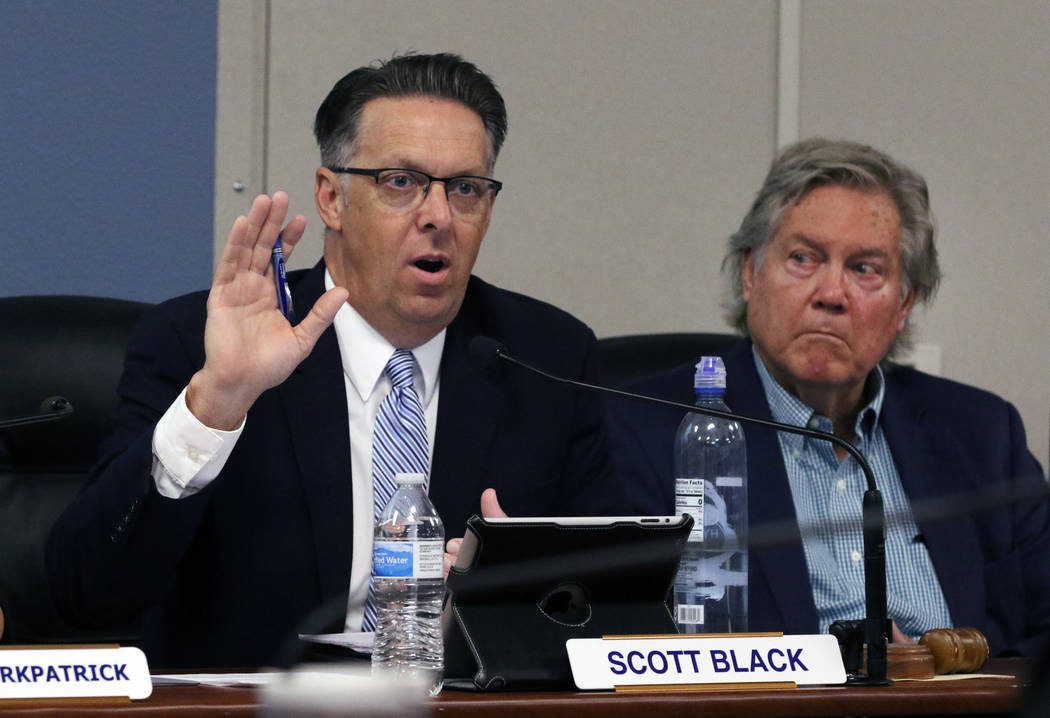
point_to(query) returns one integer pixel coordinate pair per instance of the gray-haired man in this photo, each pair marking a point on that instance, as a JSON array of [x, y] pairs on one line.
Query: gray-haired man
[[825, 269]]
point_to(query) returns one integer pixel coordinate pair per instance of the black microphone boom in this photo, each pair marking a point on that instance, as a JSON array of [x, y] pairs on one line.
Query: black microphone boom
[[484, 351], [51, 408]]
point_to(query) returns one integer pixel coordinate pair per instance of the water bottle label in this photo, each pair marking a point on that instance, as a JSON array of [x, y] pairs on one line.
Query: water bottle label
[[689, 499], [688, 613], [407, 559], [429, 559]]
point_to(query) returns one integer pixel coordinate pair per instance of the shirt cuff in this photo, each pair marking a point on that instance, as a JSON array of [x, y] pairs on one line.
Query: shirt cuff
[[187, 455]]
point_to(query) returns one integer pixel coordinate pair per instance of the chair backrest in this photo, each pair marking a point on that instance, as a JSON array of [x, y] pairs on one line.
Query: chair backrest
[[632, 356], [69, 346]]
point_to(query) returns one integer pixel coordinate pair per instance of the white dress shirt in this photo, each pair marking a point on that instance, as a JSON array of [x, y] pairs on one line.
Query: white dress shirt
[[187, 455]]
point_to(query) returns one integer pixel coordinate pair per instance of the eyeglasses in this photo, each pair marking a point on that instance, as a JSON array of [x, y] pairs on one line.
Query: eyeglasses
[[467, 195]]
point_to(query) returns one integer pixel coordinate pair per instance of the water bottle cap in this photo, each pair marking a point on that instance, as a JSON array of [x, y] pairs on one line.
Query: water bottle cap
[[404, 479], [710, 377]]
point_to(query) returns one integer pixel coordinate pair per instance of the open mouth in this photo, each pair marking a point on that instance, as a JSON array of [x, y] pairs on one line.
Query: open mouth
[[430, 265]]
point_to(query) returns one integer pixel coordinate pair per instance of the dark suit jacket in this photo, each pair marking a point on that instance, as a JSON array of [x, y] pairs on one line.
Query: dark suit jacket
[[224, 576], [946, 438]]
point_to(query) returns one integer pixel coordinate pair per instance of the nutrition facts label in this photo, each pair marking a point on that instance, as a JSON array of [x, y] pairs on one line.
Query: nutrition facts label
[[689, 499]]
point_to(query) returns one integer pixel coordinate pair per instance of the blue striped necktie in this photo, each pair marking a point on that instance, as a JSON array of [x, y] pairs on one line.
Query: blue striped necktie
[[399, 444]]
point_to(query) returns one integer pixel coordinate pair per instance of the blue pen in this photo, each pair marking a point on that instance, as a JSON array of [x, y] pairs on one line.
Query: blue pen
[[280, 280]]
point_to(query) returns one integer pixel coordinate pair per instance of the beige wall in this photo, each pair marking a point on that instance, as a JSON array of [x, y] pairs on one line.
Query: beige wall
[[640, 132]]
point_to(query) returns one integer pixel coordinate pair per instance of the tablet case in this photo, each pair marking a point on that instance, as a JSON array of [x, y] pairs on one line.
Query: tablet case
[[530, 587]]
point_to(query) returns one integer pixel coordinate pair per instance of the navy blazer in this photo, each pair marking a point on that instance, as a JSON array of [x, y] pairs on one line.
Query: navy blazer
[[946, 439], [224, 577]]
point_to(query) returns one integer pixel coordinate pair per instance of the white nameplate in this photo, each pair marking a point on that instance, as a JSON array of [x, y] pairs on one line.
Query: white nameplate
[[27, 672], [604, 663]]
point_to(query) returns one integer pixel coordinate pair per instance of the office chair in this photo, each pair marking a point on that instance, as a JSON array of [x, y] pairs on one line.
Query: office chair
[[68, 346], [626, 358]]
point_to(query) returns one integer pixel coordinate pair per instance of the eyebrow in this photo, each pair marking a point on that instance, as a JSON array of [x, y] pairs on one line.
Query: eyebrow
[[818, 245], [404, 164]]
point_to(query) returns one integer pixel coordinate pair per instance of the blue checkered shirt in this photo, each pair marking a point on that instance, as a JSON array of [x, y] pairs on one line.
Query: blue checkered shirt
[[827, 495]]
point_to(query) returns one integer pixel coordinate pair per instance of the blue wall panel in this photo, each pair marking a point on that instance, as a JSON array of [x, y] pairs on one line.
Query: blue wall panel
[[107, 146]]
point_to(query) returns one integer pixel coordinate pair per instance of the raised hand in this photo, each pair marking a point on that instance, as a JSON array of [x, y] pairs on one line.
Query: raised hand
[[249, 345]]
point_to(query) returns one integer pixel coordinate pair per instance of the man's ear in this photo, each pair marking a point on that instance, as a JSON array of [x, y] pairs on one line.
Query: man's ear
[[905, 309], [328, 193], [747, 274]]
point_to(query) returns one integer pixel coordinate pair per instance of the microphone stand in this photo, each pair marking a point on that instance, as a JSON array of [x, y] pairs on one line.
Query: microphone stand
[[53, 407], [876, 624]]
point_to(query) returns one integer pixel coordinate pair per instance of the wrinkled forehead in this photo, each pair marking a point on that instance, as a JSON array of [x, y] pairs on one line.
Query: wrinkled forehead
[[881, 213]]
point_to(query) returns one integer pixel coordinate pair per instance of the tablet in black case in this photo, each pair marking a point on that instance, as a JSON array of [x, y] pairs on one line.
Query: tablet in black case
[[522, 587]]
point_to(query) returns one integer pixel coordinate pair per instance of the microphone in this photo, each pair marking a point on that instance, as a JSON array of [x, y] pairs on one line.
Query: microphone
[[486, 352], [51, 408]]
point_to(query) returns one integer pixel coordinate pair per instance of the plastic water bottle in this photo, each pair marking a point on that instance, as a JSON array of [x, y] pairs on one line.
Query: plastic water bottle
[[407, 570], [711, 485]]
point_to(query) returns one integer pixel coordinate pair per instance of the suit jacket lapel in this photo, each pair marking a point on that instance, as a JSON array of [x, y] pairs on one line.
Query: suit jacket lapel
[[781, 566], [314, 397], [469, 407], [930, 470]]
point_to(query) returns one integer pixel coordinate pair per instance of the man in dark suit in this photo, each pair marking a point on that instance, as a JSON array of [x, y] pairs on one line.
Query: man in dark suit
[[826, 267], [236, 495]]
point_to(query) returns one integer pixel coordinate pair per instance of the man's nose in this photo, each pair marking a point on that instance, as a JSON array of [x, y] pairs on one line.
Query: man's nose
[[831, 291], [435, 210]]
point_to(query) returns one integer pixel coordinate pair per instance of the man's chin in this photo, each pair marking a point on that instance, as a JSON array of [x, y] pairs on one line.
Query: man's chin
[[436, 311], [821, 363], [795, 370], [826, 373]]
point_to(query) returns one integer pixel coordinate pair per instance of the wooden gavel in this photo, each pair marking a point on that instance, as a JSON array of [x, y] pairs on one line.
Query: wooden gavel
[[939, 651], [958, 650]]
